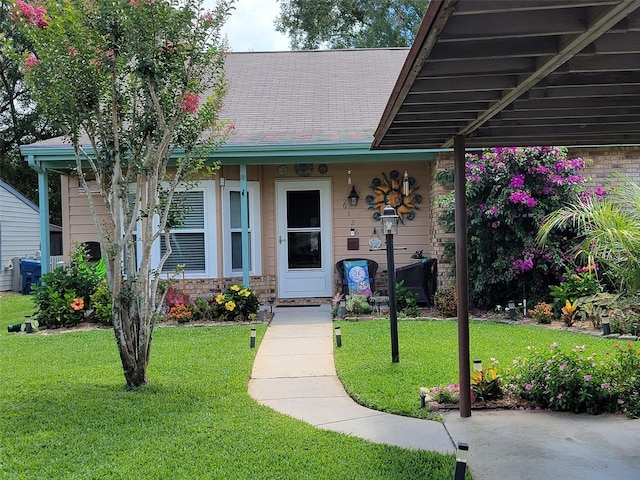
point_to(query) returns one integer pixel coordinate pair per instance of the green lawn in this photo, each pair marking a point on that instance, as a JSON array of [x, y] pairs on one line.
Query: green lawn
[[429, 356], [65, 414]]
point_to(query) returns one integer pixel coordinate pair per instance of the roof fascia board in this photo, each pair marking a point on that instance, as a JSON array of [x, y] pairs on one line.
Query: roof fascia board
[[62, 157], [435, 18]]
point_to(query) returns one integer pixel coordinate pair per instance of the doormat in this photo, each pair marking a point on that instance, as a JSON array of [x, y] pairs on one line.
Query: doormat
[[299, 305]]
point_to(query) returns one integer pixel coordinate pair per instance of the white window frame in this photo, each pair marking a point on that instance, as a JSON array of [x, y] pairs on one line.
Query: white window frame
[[255, 266], [208, 187]]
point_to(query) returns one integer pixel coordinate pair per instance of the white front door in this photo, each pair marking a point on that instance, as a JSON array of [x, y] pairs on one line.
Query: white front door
[[303, 219]]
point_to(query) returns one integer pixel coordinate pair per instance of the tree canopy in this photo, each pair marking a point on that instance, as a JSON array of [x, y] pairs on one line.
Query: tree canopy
[[136, 86], [21, 121], [312, 24]]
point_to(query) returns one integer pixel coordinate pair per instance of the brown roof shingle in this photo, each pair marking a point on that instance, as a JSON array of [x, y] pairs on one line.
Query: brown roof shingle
[[311, 96]]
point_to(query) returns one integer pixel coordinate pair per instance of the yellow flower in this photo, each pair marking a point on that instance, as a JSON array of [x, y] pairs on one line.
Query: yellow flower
[[245, 292], [235, 288], [230, 305], [220, 299]]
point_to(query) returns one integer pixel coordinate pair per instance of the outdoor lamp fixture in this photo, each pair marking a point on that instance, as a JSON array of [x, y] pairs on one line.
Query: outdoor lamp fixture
[[461, 461], [271, 300], [28, 328], [405, 184], [606, 325], [389, 221], [512, 310], [353, 197], [223, 182], [477, 365], [252, 343], [338, 337]]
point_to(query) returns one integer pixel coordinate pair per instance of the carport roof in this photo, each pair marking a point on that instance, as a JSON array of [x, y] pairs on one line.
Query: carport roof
[[518, 72]]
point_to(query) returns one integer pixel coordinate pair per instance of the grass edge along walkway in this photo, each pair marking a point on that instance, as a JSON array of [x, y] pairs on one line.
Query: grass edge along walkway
[[66, 414]]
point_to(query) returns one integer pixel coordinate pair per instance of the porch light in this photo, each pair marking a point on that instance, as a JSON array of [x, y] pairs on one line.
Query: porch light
[[353, 197], [405, 183]]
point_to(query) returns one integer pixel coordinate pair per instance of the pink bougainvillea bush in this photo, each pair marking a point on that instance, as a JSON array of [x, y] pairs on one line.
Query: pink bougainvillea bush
[[509, 192]]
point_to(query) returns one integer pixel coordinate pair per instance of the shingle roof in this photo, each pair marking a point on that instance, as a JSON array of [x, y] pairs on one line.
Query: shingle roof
[[304, 97], [311, 96]]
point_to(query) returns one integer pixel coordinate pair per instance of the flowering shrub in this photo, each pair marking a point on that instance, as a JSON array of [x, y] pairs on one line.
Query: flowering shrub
[[235, 303], [448, 394], [64, 298], [625, 321], [563, 381], [181, 312], [542, 312], [509, 191], [578, 382]]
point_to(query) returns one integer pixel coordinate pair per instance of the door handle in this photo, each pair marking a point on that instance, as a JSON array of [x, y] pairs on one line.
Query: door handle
[[280, 239]]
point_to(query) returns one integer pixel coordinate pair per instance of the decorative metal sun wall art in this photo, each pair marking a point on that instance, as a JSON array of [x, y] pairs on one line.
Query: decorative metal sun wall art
[[389, 190]]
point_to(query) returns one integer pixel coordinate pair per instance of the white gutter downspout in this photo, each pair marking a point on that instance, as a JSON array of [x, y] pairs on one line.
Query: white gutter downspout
[[244, 220]]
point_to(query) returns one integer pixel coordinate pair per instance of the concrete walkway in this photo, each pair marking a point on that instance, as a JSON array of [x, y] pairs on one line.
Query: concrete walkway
[[294, 374]]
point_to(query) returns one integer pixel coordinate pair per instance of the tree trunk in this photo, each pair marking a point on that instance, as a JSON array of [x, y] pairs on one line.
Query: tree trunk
[[133, 337]]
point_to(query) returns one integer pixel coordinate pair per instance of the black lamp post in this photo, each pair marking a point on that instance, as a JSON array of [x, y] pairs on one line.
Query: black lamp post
[[389, 220]]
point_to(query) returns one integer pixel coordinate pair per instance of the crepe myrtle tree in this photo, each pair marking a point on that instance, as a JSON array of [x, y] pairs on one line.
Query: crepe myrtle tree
[[132, 84]]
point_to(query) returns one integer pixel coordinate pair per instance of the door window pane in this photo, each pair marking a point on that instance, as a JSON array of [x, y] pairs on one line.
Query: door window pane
[[304, 250], [303, 209]]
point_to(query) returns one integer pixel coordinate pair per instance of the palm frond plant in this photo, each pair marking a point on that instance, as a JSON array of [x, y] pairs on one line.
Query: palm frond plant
[[608, 229]]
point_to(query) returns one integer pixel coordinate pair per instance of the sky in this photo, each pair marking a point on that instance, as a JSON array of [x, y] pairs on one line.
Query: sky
[[250, 27]]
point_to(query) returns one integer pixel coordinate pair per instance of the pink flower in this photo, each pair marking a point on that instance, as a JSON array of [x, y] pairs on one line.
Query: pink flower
[[517, 181], [190, 103], [72, 51], [32, 61], [169, 47], [587, 377], [563, 366], [34, 15], [528, 387], [559, 396]]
